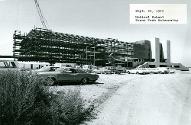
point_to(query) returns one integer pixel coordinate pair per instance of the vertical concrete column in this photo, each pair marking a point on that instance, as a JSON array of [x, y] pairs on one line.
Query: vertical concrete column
[[157, 52], [168, 52]]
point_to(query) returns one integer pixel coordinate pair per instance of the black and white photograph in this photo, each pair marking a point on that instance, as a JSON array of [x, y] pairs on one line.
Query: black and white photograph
[[95, 62]]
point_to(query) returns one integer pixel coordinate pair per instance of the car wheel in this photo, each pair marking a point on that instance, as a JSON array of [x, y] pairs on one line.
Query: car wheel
[[50, 81], [84, 81]]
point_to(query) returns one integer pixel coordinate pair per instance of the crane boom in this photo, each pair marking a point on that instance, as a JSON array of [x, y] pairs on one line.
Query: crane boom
[[42, 18]]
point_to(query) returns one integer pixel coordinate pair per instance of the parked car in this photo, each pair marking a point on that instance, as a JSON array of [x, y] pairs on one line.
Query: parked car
[[111, 69], [102, 71], [158, 70], [97, 71], [138, 71], [171, 71], [120, 70], [161, 70], [164, 70], [61, 75], [153, 70], [131, 71]]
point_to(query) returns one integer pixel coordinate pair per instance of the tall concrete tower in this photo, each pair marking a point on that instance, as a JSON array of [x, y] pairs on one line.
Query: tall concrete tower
[[168, 52], [157, 51]]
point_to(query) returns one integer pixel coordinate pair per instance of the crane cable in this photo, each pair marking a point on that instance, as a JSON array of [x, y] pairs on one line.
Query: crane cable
[[42, 18]]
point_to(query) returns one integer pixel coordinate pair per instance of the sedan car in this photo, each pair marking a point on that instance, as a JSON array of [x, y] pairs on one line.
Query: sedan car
[[102, 71], [153, 70], [142, 71], [164, 70], [68, 75]]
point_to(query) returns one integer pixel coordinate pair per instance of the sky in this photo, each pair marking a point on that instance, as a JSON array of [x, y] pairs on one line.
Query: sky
[[94, 18]]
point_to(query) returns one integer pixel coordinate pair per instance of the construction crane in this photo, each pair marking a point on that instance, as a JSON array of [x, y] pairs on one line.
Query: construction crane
[[40, 13]]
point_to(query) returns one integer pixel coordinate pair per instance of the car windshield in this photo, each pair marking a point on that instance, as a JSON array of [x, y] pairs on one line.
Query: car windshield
[[79, 71], [63, 70]]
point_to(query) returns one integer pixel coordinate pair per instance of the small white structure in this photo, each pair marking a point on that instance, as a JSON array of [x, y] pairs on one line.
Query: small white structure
[[65, 64], [32, 65]]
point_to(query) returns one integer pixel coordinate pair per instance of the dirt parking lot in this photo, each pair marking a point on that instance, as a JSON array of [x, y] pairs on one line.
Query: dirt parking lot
[[154, 99], [105, 86]]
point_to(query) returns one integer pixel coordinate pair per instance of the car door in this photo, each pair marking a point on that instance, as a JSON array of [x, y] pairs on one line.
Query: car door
[[66, 76], [79, 75], [74, 75]]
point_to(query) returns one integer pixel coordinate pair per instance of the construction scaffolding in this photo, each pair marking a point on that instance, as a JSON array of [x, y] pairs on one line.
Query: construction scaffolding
[[47, 46]]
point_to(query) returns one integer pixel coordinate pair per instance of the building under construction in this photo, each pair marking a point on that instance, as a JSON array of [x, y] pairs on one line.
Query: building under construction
[[47, 46]]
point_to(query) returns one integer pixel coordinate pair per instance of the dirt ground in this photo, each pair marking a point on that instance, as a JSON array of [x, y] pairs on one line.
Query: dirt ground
[[127, 99], [149, 100], [105, 87]]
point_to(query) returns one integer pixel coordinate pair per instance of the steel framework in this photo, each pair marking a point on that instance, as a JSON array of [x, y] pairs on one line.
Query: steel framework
[[47, 46]]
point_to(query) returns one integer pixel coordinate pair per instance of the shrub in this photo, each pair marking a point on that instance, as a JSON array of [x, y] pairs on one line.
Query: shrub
[[24, 100], [70, 108]]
